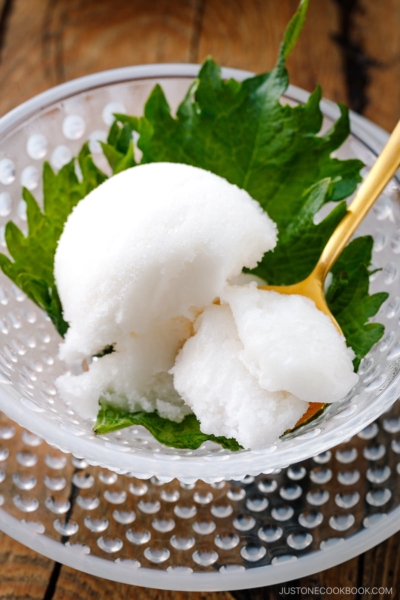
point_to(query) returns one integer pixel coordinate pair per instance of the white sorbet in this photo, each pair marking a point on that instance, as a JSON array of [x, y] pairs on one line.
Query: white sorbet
[[134, 376], [226, 398], [155, 241], [288, 344]]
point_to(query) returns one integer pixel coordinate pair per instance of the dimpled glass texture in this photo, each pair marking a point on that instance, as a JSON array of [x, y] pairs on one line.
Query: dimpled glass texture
[[53, 127], [199, 536]]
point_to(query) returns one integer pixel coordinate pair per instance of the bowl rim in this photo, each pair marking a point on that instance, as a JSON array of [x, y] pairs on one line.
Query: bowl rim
[[166, 467]]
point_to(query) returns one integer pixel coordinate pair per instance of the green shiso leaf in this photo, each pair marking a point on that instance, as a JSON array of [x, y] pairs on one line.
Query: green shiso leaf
[[119, 148], [32, 264], [294, 28], [349, 301], [107, 350], [186, 434]]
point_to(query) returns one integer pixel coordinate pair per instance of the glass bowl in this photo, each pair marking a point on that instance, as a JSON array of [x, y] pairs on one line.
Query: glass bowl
[[53, 126]]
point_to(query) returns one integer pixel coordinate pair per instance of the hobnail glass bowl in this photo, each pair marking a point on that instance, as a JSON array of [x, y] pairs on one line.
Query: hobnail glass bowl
[[53, 126]]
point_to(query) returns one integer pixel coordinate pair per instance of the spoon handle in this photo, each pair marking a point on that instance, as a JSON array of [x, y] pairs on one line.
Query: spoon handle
[[379, 176]]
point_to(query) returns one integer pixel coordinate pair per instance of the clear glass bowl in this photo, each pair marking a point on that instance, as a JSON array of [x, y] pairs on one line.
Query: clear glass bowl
[[53, 126]]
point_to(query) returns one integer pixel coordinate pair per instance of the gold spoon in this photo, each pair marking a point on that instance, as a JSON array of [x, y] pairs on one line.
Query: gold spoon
[[379, 176]]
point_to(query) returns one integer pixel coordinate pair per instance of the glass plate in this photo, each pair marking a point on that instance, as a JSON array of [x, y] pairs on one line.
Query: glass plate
[[227, 535]]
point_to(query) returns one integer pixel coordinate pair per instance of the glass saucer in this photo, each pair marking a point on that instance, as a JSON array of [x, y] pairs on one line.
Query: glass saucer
[[222, 536], [53, 126]]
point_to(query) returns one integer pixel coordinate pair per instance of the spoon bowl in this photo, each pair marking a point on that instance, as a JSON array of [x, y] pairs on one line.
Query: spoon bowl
[[312, 287]]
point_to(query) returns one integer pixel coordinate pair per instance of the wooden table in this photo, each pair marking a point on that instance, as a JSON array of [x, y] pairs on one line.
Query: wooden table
[[350, 47]]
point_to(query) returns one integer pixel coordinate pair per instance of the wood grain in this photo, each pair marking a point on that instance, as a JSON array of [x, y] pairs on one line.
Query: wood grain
[[73, 585], [381, 567], [24, 574], [344, 575], [51, 41], [23, 68], [377, 30], [136, 32]]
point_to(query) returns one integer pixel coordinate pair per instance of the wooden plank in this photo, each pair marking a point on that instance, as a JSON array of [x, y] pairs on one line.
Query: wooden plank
[[73, 584], [24, 574], [247, 35], [48, 43], [344, 575], [23, 69], [97, 34], [380, 567], [376, 29]]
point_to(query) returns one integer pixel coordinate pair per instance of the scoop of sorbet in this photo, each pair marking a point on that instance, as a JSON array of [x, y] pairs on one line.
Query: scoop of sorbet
[[226, 398], [288, 344], [256, 360], [157, 241]]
